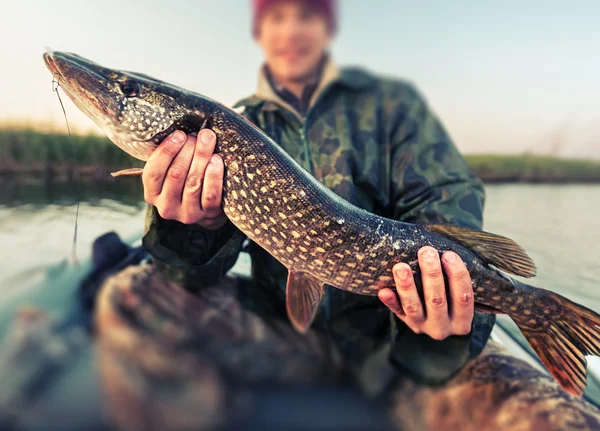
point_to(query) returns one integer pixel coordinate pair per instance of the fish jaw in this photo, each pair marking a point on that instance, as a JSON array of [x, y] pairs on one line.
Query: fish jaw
[[82, 87], [98, 92]]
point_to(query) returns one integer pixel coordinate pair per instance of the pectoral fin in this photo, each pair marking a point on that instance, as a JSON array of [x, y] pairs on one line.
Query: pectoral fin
[[303, 296]]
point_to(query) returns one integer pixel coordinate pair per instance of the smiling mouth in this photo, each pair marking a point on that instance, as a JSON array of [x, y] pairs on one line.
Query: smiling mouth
[[293, 52]]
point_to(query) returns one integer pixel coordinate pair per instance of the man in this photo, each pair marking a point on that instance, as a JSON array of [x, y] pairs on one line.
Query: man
[[375, 143]]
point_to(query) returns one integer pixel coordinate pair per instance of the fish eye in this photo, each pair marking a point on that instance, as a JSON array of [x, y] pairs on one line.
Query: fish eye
[[130, 88]]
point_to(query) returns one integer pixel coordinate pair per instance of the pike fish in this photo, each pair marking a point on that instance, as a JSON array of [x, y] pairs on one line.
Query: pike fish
[[321, 238]]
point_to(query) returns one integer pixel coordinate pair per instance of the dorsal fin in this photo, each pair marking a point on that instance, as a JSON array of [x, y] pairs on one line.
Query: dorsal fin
[[502, 252], [303, 296]]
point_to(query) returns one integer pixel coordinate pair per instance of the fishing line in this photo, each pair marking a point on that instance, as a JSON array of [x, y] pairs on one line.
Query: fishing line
[[55, 85]]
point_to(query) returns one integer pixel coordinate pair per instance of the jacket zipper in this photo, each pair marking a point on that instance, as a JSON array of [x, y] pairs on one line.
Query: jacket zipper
[[309, 165]]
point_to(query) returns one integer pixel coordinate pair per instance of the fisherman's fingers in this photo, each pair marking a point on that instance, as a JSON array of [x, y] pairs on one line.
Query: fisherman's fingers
[[409, 310], [192, 192], [212, 192], [461, 293], [158, 163], [391, 300], [172, 191], [437, 324]]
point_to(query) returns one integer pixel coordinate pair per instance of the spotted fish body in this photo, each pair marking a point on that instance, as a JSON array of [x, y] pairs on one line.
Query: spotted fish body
[[321, 238], [303, 224]]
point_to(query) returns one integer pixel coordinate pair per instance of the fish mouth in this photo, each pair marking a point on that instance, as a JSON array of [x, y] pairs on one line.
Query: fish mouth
[[87, 84], [82, 85], [97, 91], [50, 64]]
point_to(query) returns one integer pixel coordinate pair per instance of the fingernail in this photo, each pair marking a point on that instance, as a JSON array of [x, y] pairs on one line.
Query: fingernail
[[402, 273], [206, 138], [178, 137], [430, 254], [449, 257]]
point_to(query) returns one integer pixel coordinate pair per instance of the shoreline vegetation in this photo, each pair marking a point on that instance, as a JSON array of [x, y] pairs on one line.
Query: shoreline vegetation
[[32, 156]]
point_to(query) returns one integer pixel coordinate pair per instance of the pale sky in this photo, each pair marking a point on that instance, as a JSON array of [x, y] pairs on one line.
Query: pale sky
[[503, 76]]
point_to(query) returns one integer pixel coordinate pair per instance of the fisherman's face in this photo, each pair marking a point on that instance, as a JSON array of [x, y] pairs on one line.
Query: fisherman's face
[[294, 37]]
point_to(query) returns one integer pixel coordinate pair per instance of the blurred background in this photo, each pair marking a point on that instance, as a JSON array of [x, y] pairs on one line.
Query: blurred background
[[515, 83]]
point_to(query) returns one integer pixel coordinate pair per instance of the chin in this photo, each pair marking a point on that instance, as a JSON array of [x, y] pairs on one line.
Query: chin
[[296, 73]]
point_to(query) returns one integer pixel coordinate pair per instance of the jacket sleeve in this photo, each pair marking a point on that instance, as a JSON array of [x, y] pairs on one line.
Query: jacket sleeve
[[189, 254], [431, 183]]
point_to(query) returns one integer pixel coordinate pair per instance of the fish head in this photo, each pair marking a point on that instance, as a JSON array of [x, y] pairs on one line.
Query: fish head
[[134, 110]]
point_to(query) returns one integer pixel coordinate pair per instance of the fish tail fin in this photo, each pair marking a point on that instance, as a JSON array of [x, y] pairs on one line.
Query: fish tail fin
[[570, 333]]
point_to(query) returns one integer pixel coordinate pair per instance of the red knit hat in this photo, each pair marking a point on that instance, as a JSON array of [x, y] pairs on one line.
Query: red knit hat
[[328, 7]]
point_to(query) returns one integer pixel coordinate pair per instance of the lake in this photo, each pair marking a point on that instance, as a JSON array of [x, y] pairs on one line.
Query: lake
[[558, 225]]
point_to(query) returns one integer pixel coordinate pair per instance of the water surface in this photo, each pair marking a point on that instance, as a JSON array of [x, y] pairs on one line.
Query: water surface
[[559, 226]]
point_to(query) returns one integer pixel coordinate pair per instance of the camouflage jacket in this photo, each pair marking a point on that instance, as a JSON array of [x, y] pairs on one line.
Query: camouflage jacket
[[374, 142]]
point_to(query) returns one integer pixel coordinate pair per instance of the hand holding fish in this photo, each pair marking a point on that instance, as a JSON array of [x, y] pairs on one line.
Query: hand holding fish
[[438, 316], [184, 179]]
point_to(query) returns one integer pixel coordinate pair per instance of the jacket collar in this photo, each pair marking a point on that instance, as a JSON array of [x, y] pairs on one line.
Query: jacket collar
[[353, 78]]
